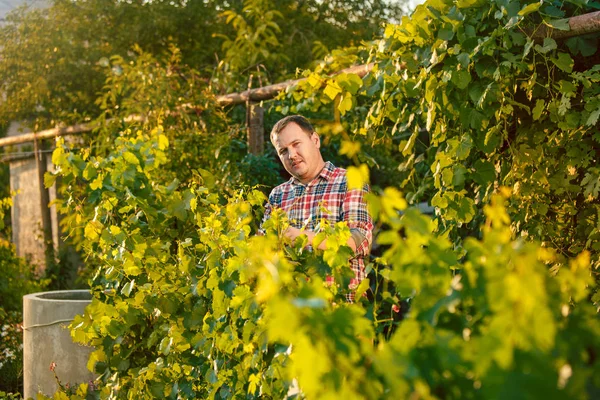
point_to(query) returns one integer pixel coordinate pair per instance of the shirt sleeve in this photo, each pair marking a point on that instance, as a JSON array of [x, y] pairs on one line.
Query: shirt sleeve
[[356, 214]]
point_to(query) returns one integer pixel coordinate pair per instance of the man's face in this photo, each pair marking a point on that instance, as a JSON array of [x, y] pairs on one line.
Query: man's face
[[299, 152]]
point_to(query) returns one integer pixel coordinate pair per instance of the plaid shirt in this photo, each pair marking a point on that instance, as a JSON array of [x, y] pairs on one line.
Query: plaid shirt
[[327, 197]]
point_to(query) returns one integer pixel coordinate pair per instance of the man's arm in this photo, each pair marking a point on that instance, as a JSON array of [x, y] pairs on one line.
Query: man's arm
[[355, 213]]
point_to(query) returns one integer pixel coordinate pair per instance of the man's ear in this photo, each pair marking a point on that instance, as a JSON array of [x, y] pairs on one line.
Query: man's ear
[[316, 139]]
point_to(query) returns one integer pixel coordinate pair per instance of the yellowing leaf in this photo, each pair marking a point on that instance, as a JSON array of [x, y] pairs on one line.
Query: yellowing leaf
[[349, 148], [131, 158], [49, 180], [496, 212], [362, 288], [530, 8], [129, 266], [93, 229], [357, 176], [430, 116], [58, 156], [467, 3], [89, 172], [165, 345], [332, 90], [254, 380], [97, 182], [126, 290], [163, 142], [345, 104], [581, 262], [314, 80], [392, 200]]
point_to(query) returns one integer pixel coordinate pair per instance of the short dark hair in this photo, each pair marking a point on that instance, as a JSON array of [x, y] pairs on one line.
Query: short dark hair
[[299, 120]]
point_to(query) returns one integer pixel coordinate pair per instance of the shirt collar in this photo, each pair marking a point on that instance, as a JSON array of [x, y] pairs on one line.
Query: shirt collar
[[326, 173]]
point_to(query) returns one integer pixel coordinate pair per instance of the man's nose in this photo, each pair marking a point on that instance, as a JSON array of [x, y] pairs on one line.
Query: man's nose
[[292, 153]]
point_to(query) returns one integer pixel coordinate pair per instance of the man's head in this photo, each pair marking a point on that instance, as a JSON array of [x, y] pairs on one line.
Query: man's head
[[297, 145]]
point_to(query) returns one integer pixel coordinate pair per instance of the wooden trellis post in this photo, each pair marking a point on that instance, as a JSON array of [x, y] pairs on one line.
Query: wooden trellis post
[[256, 128], [41, 164]]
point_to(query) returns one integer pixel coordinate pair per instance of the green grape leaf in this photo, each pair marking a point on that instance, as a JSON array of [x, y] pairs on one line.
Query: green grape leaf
[[461, 78], [349, 82], [560, 24], [539, 108], [49, 179], [548, 45], [564, 62], [446, 33], [593, 118], [484, 172], [591, 184], [580, 45]]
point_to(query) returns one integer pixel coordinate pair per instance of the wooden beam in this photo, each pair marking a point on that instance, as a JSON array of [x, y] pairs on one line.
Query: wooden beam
[[268, 92], [56, 132], [579, 25]]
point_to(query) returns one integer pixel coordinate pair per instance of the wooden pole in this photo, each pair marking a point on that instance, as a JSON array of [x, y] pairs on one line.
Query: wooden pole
[[256, 128], [40, 158]]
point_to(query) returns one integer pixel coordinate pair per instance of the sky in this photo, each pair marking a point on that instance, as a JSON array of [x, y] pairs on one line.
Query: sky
[[7, 5], [413, 3]]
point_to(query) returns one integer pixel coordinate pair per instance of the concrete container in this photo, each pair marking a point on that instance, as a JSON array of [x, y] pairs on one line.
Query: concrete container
[[47, 340]]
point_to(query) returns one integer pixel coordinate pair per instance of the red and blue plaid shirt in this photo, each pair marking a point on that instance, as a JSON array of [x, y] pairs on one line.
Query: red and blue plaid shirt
[[327, 197]]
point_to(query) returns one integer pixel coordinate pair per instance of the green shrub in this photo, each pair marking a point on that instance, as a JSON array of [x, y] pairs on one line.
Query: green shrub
[[11, 351], [18, 279]]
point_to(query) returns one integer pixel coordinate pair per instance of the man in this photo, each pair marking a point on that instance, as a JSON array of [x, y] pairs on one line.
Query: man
[[316, 190]]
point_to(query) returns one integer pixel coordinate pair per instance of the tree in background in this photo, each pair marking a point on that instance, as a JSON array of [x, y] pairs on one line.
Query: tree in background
[[52, 60]]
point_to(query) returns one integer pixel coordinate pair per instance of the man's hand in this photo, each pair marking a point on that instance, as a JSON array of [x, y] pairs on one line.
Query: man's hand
[[292, 233]]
